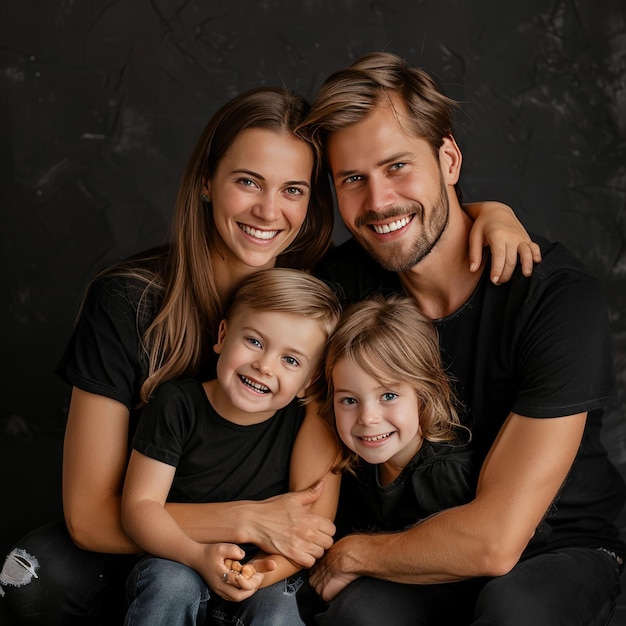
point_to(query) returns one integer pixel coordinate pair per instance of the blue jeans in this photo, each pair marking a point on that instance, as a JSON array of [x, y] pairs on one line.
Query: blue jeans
[[46, 579], [162, 592], [568, 587]]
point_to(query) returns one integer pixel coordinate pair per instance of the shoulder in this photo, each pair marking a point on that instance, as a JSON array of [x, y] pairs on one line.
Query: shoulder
[[132, 283], [179, 388], [354, 275]]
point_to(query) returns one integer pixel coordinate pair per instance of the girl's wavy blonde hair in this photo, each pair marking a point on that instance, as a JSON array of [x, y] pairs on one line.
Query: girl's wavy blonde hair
[[394, 343]]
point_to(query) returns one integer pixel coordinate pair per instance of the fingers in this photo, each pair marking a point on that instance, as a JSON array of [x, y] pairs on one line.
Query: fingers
[[476, 245], [311, 494], [504, 261]]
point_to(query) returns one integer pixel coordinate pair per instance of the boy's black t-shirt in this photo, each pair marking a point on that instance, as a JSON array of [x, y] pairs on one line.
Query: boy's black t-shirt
[[216, 460]]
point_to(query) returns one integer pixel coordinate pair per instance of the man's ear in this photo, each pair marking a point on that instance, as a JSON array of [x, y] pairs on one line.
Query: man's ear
[[221, 336], [450, 160]]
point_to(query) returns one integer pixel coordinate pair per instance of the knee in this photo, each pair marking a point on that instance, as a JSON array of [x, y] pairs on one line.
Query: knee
[[169, 581], [18, 584]]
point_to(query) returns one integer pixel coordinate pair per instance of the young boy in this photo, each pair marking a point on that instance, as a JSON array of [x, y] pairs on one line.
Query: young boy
[[241, 436]]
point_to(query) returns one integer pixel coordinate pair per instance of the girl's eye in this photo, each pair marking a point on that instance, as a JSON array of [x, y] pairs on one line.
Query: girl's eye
[[290, 360], [347, 400], [389, 395], [253, 341]]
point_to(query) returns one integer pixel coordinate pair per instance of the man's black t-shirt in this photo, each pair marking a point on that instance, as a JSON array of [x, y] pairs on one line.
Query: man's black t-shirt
[[538, 347]]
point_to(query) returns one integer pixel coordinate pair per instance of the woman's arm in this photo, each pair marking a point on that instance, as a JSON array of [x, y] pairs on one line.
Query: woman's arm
[[94, 463], [496, 225]]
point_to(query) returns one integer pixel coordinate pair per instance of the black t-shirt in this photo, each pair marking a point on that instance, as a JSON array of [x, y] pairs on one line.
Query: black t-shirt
[[216, 460], [539, 347], [440, 476], [104, 355]]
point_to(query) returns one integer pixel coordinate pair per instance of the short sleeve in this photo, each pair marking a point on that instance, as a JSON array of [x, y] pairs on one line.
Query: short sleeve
[[103, 355]]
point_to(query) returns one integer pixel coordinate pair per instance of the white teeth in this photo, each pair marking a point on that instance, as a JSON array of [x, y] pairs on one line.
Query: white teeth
[[377, 438], [389, 228], [256, 386], [258, 234]]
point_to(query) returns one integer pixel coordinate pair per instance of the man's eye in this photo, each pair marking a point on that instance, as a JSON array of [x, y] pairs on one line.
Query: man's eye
[[398, 166], [353, 179]]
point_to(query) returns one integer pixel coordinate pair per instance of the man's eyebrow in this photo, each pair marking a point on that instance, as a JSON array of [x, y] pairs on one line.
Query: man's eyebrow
[[400, 156]]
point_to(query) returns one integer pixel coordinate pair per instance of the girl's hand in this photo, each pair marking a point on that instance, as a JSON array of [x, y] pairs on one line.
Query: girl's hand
[[496, 225]]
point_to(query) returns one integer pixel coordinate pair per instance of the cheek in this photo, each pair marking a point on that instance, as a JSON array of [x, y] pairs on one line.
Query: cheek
[[297, 214], [343, 424]]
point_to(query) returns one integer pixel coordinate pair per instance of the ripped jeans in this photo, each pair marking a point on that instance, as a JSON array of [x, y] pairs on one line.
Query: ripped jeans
[[167, 593], [47, 579]]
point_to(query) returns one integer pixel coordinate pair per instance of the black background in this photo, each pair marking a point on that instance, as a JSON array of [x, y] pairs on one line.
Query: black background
[[102, 100]]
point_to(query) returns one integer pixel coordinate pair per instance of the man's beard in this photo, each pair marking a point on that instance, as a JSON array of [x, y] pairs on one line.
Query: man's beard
[[391, 256]]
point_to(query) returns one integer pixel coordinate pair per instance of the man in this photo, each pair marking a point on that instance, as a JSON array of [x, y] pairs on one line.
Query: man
[[531, 363]]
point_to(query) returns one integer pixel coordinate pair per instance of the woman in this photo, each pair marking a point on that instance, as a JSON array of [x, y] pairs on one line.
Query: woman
[[251, 197]]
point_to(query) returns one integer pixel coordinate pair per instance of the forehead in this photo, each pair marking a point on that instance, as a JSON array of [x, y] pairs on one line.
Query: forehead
[[297, 331], [385, 131], [270, 151]]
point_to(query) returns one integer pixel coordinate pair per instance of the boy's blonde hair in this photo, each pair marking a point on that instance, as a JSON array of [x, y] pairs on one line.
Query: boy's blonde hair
[[393, 342], [284, 290]]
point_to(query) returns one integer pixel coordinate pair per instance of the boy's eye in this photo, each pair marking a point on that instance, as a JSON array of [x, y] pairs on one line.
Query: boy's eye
[[290, 360], [389, 395], [254, 342]]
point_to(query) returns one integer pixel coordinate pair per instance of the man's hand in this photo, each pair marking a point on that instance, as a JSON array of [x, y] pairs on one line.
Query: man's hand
[[332, 573], [286, 525]]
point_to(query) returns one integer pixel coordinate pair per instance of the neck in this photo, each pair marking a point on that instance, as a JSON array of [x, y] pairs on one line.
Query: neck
[[442, 281]]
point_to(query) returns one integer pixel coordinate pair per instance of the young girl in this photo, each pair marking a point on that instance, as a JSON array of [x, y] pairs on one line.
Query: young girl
[[251, 196], [394, 410], [241, 436]]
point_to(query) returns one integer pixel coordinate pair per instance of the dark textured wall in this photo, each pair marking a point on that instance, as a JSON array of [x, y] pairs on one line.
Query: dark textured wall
[[102, 100]]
